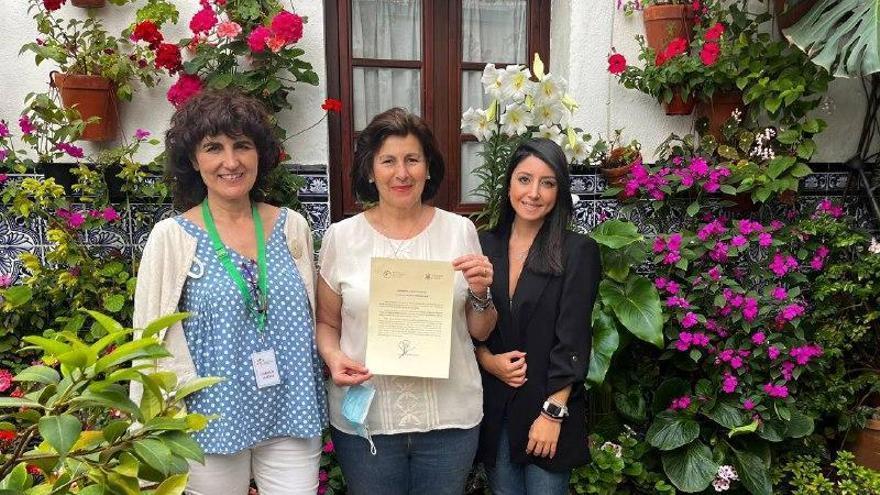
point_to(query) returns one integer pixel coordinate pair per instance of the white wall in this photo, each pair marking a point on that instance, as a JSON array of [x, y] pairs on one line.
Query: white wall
[[582, 35], [149, 109]]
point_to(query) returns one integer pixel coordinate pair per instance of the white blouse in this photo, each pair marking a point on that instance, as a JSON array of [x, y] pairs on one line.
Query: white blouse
[[403, 404]]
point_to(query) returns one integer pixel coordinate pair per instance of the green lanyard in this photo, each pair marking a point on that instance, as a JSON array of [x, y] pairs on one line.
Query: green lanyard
[[260, 309]]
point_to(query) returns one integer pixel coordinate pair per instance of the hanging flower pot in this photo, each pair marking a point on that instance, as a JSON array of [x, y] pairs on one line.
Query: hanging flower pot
[[93, 96], [678, 106], [719, 109], [664, 23], [89, 4]]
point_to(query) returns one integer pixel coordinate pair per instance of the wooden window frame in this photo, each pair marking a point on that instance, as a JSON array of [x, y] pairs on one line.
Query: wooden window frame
[[439, 17]]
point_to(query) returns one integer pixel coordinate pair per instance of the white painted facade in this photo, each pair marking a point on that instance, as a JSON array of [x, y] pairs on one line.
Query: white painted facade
[[582, 34]]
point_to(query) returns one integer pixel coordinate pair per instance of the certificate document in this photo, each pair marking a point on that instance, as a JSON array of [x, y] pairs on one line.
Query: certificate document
[[409, 330]]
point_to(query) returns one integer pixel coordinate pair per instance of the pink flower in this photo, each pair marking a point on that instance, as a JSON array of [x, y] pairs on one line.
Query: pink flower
[[758, 338], [779, 293], [185, 87], [765, 239], [27, 127], [671, 258], [776, 225], [685, 339], [288, 26], [5, 281], [323, 476], [748, 404], [709, 53], [689, 320], [659, 244], [3, 177], [660, 283], [4, 129], [817, 263], [782, 264], [776, 391], [680, 403], [257, 39], [829, 208], [203, 20], [750, 309], [699, 167], [275, 43], [719, 252], [76, 220], [736, 362], [109, 214], [141, 134], [228, 29], [677, 302], [674, 242], [791, 312], [672, 287], [747, 226], [5, 380], [616, 63], [328, 447], [739, 241], [700, 339], [803, 354], [74, 151], [773, 352], [715, 273], [787, 368], [729, 383]]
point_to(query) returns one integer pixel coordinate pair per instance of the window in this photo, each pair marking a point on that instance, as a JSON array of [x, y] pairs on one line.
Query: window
[[426, 56]]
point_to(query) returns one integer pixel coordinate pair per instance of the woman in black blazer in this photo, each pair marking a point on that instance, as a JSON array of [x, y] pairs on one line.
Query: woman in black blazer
[[533, 365]]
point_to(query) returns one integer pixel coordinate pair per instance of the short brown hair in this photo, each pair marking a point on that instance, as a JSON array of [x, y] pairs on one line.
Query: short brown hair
[[394, 122], [210, 113]]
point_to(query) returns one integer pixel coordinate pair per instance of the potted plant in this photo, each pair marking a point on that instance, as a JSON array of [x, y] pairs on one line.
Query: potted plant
[[620, 160], [95, 69], [666, 20]]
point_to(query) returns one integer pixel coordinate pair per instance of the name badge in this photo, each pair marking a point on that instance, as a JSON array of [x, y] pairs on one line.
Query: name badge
[[266, 369]]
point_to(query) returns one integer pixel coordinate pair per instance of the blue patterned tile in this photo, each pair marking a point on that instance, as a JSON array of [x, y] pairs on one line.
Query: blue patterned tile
[[315, 186], [318, 215], [16, 238], [143, 216]]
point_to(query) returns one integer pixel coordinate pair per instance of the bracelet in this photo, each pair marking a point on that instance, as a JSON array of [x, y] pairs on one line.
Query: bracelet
[[480, 304], [550, 418]]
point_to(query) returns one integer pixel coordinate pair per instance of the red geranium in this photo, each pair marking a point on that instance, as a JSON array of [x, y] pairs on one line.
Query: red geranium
[[714, 32], [288, 26], [709, 53], [659, 59], [6, 436], [185, 87], [147, 31], [332, 105], [676, 47], [616, 63], [53, 4], [257, 39], [203, 21], [168, 57]]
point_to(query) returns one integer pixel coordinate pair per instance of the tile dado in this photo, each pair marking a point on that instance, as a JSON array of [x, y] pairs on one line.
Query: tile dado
[[129, 234]]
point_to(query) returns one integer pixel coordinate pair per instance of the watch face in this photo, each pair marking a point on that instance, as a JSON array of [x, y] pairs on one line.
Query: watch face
[[552, 409]]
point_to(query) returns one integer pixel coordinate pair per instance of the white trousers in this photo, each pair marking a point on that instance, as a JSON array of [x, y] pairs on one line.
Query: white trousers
[[280, 466]]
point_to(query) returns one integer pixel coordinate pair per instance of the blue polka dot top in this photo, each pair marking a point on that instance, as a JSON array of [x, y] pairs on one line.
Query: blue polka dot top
[[222, 336]]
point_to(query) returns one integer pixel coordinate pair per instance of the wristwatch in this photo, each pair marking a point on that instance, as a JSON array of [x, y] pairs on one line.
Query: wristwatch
[[480, 304], [554, 410]]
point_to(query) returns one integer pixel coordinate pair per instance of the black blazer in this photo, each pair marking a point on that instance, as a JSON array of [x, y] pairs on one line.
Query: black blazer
[[549, 320]]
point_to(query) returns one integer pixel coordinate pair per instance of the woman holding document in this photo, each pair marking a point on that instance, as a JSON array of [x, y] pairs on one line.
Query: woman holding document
[[535, 361], [401, 434]]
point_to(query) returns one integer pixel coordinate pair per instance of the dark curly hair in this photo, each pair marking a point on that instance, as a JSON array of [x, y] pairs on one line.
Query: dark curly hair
[[394, 122], [211, 113]]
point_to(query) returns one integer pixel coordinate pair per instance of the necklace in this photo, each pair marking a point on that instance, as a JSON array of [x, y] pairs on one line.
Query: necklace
[[398, 247]]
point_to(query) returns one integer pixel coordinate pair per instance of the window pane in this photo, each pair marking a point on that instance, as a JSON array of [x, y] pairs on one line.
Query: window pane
[[470, 159], [388, 29], [377, 89], [472, 93], [494, 31]]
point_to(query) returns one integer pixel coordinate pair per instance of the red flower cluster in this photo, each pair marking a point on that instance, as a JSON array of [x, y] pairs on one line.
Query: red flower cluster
[[203, 21], [149, 32], [285, 28], [710, 51], [53, 4], [332, 105], [185, 87], [168, 57], [616, 63]]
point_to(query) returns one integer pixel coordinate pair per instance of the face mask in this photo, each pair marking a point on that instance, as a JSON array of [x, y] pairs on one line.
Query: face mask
[[355, 406]]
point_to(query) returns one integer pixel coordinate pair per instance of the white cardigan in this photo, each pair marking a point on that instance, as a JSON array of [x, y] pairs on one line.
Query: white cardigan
[[168, 256]]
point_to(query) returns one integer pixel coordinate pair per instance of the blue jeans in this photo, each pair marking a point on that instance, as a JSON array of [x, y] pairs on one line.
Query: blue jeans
[[435, 462], [509, 478]]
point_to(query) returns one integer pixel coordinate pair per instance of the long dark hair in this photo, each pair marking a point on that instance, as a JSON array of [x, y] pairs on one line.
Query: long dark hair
[[210, 113], [545, 255]]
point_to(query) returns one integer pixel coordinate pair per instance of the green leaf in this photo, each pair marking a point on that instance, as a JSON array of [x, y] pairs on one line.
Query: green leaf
[[183, 445], [137, 349], [16, 480], [801, 170], [195, 385], [154, 453], [806, 149], [799, 426], [813, 126], [49, 346], [115, 429], [113, 397], [637, 306], [728, 152], [668, 390], [17, 403], [772, 104], [752, 473], [128, 465], [691, 468], [772, 430], [742, 430], [17, 295], [670, 431], [779, 165], [162, 323], [172, 486], [726, 414], [616, 233], [605, 343], [693, 208], [632, 405], [60, 431], [38, 374], [109, 324], [789, 137], [114, 302]]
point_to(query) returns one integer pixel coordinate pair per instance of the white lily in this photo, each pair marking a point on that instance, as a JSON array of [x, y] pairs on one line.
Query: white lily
[[874, 247], [475, 121], [515, 120], [550, 114], [538, 67], [550, 132], [550, 89], [492, 79], [577, 152], [516, 83]]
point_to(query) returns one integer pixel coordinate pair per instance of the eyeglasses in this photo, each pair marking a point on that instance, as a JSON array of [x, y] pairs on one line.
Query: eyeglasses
[[259, 301]]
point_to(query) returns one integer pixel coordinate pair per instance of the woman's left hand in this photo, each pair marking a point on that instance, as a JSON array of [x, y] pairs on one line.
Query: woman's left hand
[[477, 271], [543, 436]]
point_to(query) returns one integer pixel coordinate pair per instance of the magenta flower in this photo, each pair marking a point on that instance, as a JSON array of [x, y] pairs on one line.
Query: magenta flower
[[677, 302], [747, 226], [719, 252], [736, 362], [685, 339], [739, 241], [765, 239], [689, 320], [203, 20], [750, 309], [787, 369], [323, 476], [680, 403], [715, 273], [791, 312], [773, 352], [5, 380], [27, 127], [141, 134], [659, 245], [776, 391], [699, 167], [72, 150], [779, 293], [782, 264], [257, 39], [328, 447], [803, 354], [758, 338], [829, 208], [748, 404], [5, 281], [4, 129], [672, 287], [109, 214], [700, 339], [660, 283], [729, 383], [3, 177], [776, 225]]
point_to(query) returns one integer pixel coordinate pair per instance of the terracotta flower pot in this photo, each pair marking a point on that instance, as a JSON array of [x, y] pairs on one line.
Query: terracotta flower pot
[[680, 107], [786, 17], [664, 23], [867, 446], [616, 176], [88, 4], [719, 108], [93, 96]]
